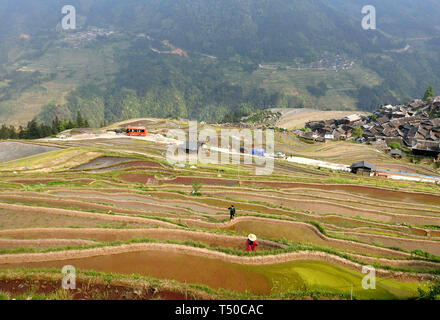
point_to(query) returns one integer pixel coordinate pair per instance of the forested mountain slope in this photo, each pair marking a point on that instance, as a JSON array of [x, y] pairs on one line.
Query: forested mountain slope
[[211, 59]]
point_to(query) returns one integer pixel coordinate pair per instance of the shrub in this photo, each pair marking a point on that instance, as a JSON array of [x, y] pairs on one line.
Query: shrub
[[318, 226], [415, 159], [433, 292], [358, 132], [196, 186], [395, 145]]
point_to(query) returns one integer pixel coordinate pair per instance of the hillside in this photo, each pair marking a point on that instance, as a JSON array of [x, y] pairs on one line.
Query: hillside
[[211, 59], [130, 222]]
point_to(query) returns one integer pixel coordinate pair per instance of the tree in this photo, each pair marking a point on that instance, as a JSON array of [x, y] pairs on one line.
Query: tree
[[357, 132], [69, 125], [22, 133], [57, 125], [196, 186], [80, 123], [4, 134], [395, 145], [33, 130], [8, 132], [429, 93], [44, 130]]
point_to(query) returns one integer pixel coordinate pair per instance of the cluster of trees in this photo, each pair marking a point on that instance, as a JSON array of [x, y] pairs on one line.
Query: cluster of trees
[[18, 82], [358, 132], [253, 32], [370, 99], [35, 130], [319, 90], [149, 84], [263, 29], [250, 31], [429, 93], [405, 76], [163, 86]]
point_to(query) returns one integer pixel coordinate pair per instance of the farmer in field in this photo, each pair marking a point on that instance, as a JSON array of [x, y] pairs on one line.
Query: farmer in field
[[251, 243], [231, 212]]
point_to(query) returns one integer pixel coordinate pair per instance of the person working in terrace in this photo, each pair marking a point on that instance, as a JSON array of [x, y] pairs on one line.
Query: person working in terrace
[[251, 243], [231, 212]]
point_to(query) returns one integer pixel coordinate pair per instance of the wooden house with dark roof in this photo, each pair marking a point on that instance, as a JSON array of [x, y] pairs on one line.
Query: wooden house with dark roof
[[363, 168]]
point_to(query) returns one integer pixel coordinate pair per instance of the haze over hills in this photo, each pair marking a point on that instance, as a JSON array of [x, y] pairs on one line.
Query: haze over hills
[[289, 187], [211, 60]]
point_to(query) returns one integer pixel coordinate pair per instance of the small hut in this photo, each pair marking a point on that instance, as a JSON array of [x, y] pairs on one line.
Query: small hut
[[363, 168], [397, 154], [192, 147]]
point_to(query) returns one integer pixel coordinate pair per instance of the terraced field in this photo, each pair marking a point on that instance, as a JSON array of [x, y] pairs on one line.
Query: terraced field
[[129, 223]]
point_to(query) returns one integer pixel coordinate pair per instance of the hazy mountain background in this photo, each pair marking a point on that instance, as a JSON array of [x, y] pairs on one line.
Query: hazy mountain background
[[211, 59]]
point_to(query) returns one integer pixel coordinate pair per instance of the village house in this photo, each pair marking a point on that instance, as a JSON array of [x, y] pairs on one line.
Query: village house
[[397, 154], [363, 168], [412, 125], [192, 147], [352, 118], [426, 148]]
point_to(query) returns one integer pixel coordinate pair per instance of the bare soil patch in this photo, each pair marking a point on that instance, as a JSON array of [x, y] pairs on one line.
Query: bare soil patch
[[149, 179], [167, 265], [132, 164], [307, 234], [10, 150], [89, 290], [33, 181], [22, 217], [317, 206], [102, 162], [93, 204], [108, 235], [376, 193], [171, 261], [42, 243], [407, 244], [145, 203]]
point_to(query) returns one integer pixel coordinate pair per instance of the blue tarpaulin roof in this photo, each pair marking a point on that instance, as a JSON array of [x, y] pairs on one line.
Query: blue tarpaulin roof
[[258, 152]]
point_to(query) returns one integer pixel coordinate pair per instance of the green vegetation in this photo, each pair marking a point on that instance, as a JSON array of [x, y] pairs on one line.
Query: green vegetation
[[395, 145], [195, 291], [398, 146], [34, 130], [358, 132], [313, 275], [196, 186], [218, 65], [319, 90], [280, 209], [59, 294], [264, 117], [429, 93], [433, 292]]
